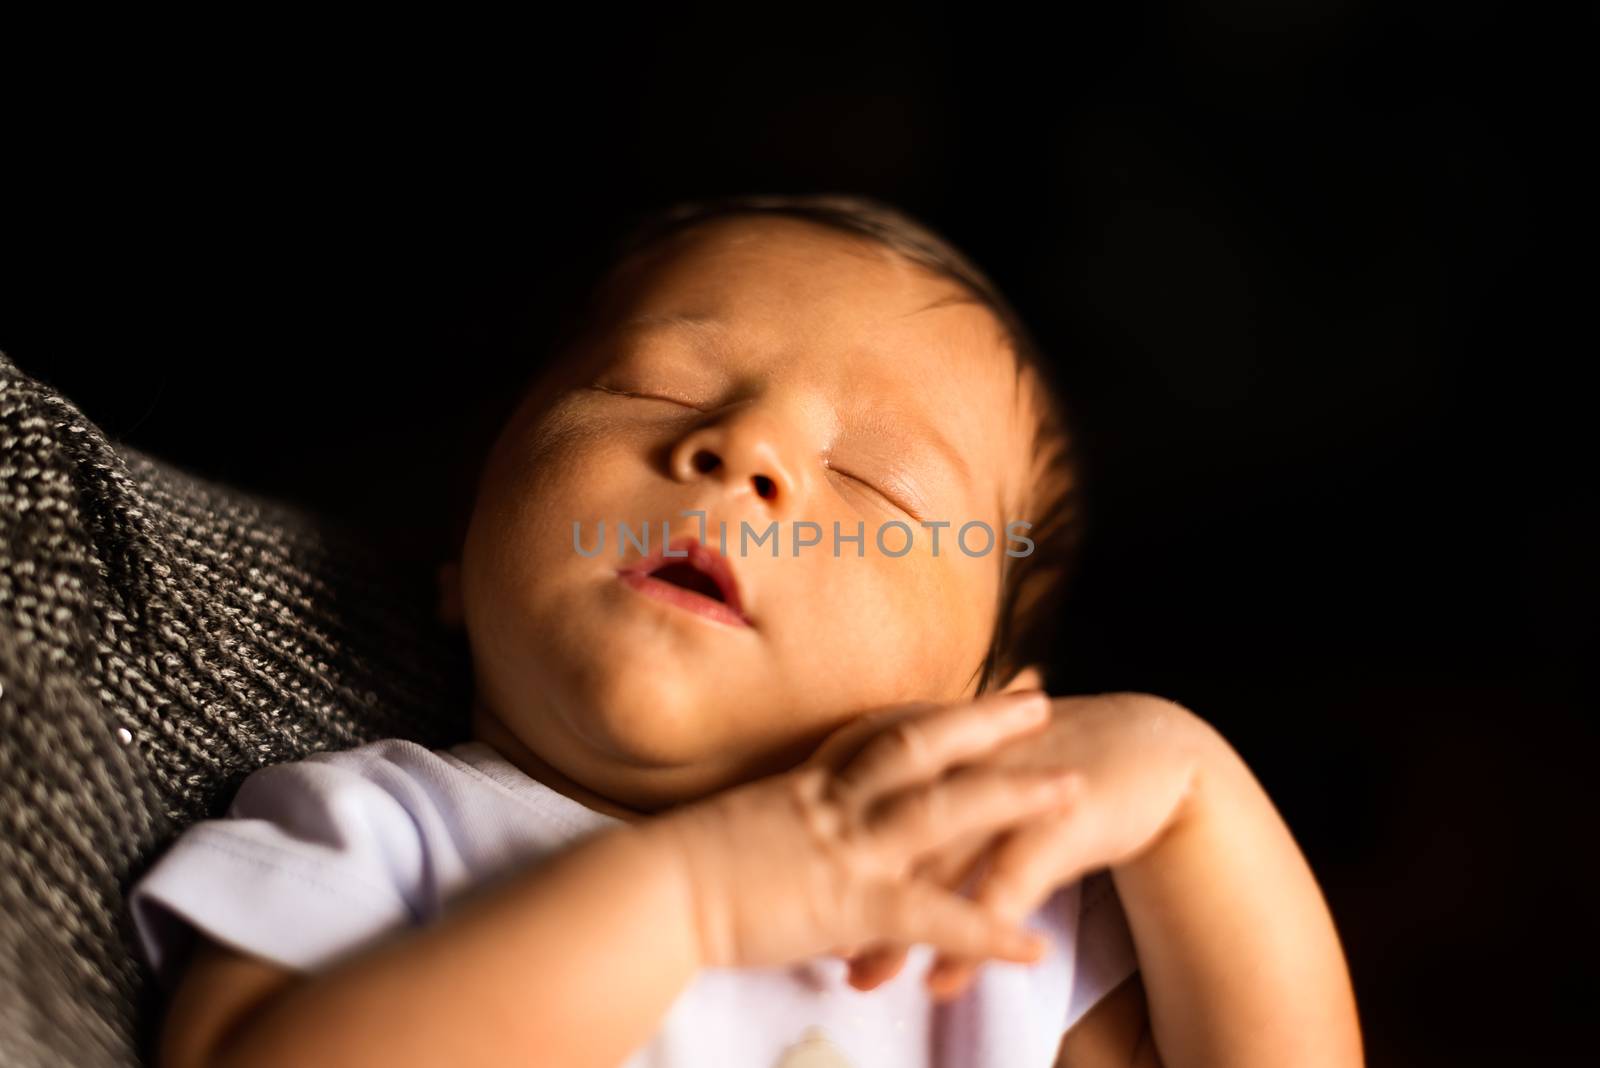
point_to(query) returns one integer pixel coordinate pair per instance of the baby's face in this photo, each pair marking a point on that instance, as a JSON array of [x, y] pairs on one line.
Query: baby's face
[[780, 372]]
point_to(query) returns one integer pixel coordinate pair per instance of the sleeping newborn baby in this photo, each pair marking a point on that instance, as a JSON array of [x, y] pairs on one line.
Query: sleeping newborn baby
[[758, 774]]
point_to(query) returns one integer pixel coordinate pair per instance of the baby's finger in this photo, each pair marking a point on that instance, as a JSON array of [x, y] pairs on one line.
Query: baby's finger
[[1023, 871], [917, 748], [952, 868], [918, 911], [955, 864], [878, 965], [919, 820], [950, 976], [839, 747]]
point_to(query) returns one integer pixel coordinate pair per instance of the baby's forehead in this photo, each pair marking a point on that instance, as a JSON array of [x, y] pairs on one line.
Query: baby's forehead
[[810, 293]]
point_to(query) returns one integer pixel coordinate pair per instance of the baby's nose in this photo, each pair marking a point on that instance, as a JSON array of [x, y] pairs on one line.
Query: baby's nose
[[705, 462], [745, 450]]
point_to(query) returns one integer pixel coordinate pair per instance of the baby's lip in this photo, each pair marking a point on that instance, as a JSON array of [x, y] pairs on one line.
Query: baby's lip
[[688, 549]]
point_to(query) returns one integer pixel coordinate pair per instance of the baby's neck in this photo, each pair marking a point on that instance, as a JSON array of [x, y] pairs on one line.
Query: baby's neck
[[491, 731]]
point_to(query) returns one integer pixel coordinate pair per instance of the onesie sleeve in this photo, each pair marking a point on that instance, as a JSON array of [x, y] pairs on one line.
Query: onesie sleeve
[[312, 860], [1104, 955]]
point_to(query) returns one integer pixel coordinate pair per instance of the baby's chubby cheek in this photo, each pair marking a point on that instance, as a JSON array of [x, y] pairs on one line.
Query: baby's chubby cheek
[[860, 632], [912, 627], [575, 659]]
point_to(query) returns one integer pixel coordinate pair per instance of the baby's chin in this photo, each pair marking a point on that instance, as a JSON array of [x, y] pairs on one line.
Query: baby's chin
[[685, 729], [656, 716]]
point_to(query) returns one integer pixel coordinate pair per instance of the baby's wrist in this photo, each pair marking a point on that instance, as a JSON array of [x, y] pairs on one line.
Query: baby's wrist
[[669, 841]]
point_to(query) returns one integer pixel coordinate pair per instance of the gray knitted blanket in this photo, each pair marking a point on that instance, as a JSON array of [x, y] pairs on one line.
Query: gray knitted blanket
[[161, 636]]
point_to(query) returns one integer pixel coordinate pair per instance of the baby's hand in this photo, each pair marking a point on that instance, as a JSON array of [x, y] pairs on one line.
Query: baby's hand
[[827, 854], [1136, 754]]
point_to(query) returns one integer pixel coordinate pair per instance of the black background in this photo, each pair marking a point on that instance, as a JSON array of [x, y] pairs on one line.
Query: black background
[[1317, 274]]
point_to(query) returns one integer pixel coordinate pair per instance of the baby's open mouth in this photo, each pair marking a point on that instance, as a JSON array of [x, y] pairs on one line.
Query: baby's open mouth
[[689, 578], [695, 577]]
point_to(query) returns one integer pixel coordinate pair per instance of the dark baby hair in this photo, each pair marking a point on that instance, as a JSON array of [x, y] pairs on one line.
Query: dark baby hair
[[1032, 585]]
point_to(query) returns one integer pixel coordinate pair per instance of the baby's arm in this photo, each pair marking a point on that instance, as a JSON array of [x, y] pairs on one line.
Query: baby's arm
[[573, 962], [1238, 953]]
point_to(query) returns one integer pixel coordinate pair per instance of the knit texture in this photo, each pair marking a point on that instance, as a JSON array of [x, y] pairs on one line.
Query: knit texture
[[162, 636]]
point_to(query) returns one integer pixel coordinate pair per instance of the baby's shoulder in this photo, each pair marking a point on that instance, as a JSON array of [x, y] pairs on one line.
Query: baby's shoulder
[[393, 766], [387, 797], [313, 856]]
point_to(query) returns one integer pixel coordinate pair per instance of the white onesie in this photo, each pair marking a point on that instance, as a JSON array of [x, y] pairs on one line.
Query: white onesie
[[318, 857]]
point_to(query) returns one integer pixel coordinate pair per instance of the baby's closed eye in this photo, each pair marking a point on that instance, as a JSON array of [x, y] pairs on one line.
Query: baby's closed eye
[[642, 396], [876, 489]]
